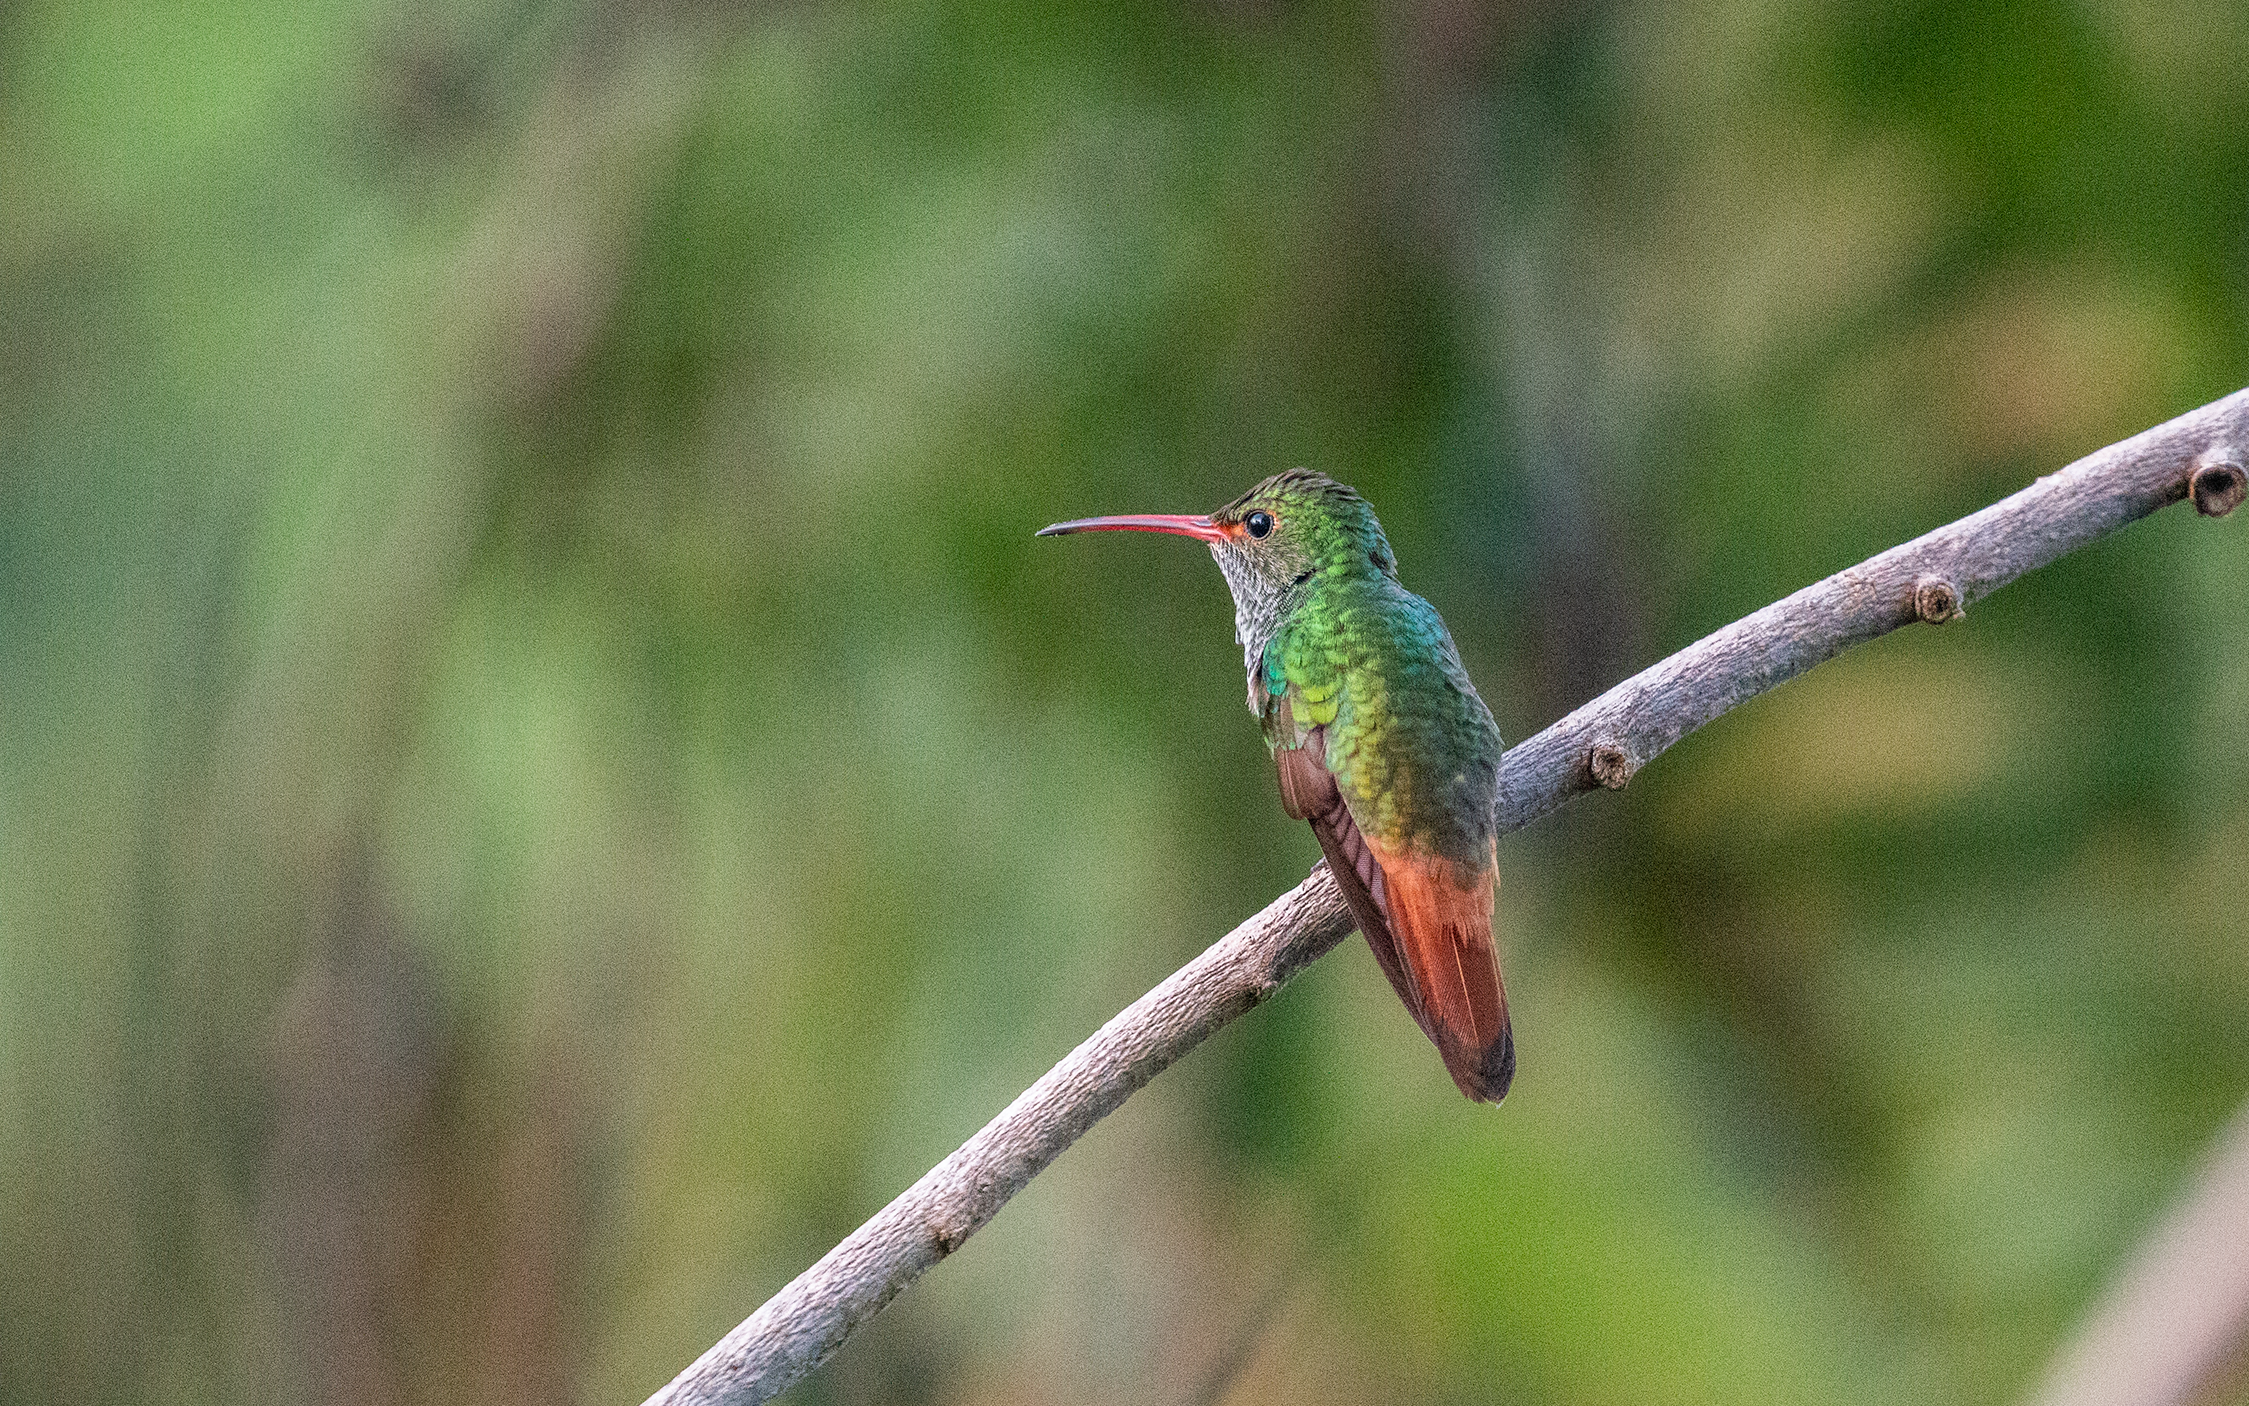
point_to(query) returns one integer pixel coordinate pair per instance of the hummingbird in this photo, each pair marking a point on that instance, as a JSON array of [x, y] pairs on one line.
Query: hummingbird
[[1378, 739]]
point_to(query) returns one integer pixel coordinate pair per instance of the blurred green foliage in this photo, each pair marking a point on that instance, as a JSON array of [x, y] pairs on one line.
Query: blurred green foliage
[[544, 777]]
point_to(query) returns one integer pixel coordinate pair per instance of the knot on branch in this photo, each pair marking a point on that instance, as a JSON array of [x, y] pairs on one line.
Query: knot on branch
[[950, 1226], [1267, 978], [2218, 487], [1937, 600], [1610, 765]]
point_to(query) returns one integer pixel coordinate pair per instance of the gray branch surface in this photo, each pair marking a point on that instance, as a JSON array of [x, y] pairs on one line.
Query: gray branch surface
[[1934, 578]]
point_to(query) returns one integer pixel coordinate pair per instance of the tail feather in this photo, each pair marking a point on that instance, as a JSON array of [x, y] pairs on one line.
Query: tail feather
[[1441, 920]]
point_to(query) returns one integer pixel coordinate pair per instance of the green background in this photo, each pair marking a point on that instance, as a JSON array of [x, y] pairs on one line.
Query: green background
[[543, 775]]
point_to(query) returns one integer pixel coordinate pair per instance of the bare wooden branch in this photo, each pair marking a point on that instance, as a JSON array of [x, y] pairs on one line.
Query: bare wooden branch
[[1937, 576], [1934, 578], [802, 1324]]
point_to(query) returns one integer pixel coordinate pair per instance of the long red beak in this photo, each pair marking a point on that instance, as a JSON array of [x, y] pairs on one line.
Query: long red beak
[[1200, 528]]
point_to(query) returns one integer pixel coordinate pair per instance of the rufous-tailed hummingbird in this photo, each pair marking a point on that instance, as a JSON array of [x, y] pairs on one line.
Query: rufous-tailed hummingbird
[[1380, 742]]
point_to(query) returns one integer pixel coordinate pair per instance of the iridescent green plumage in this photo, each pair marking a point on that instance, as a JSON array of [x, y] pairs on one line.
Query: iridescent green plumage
[[1379, 741], [1408, 740]]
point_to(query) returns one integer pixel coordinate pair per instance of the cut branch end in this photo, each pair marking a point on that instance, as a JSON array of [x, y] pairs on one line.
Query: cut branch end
[[1937, 600], [1611, 766], [2218, 487]]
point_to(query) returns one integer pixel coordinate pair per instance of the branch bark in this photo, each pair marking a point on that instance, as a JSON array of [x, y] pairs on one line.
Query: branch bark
[[1932, 578]]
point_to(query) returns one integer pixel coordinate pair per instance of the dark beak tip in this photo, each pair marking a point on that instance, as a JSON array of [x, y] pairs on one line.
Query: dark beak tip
[[1178, 523]]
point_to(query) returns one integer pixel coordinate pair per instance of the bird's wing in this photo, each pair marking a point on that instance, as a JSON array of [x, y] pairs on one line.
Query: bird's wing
[[1309, 792], [1427, 919]]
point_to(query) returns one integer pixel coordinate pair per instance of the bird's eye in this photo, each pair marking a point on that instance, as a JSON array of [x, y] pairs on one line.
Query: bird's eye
[[1258, 523]]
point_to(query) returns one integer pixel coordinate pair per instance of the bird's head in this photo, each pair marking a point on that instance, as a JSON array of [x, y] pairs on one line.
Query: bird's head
[[1279, 536]]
